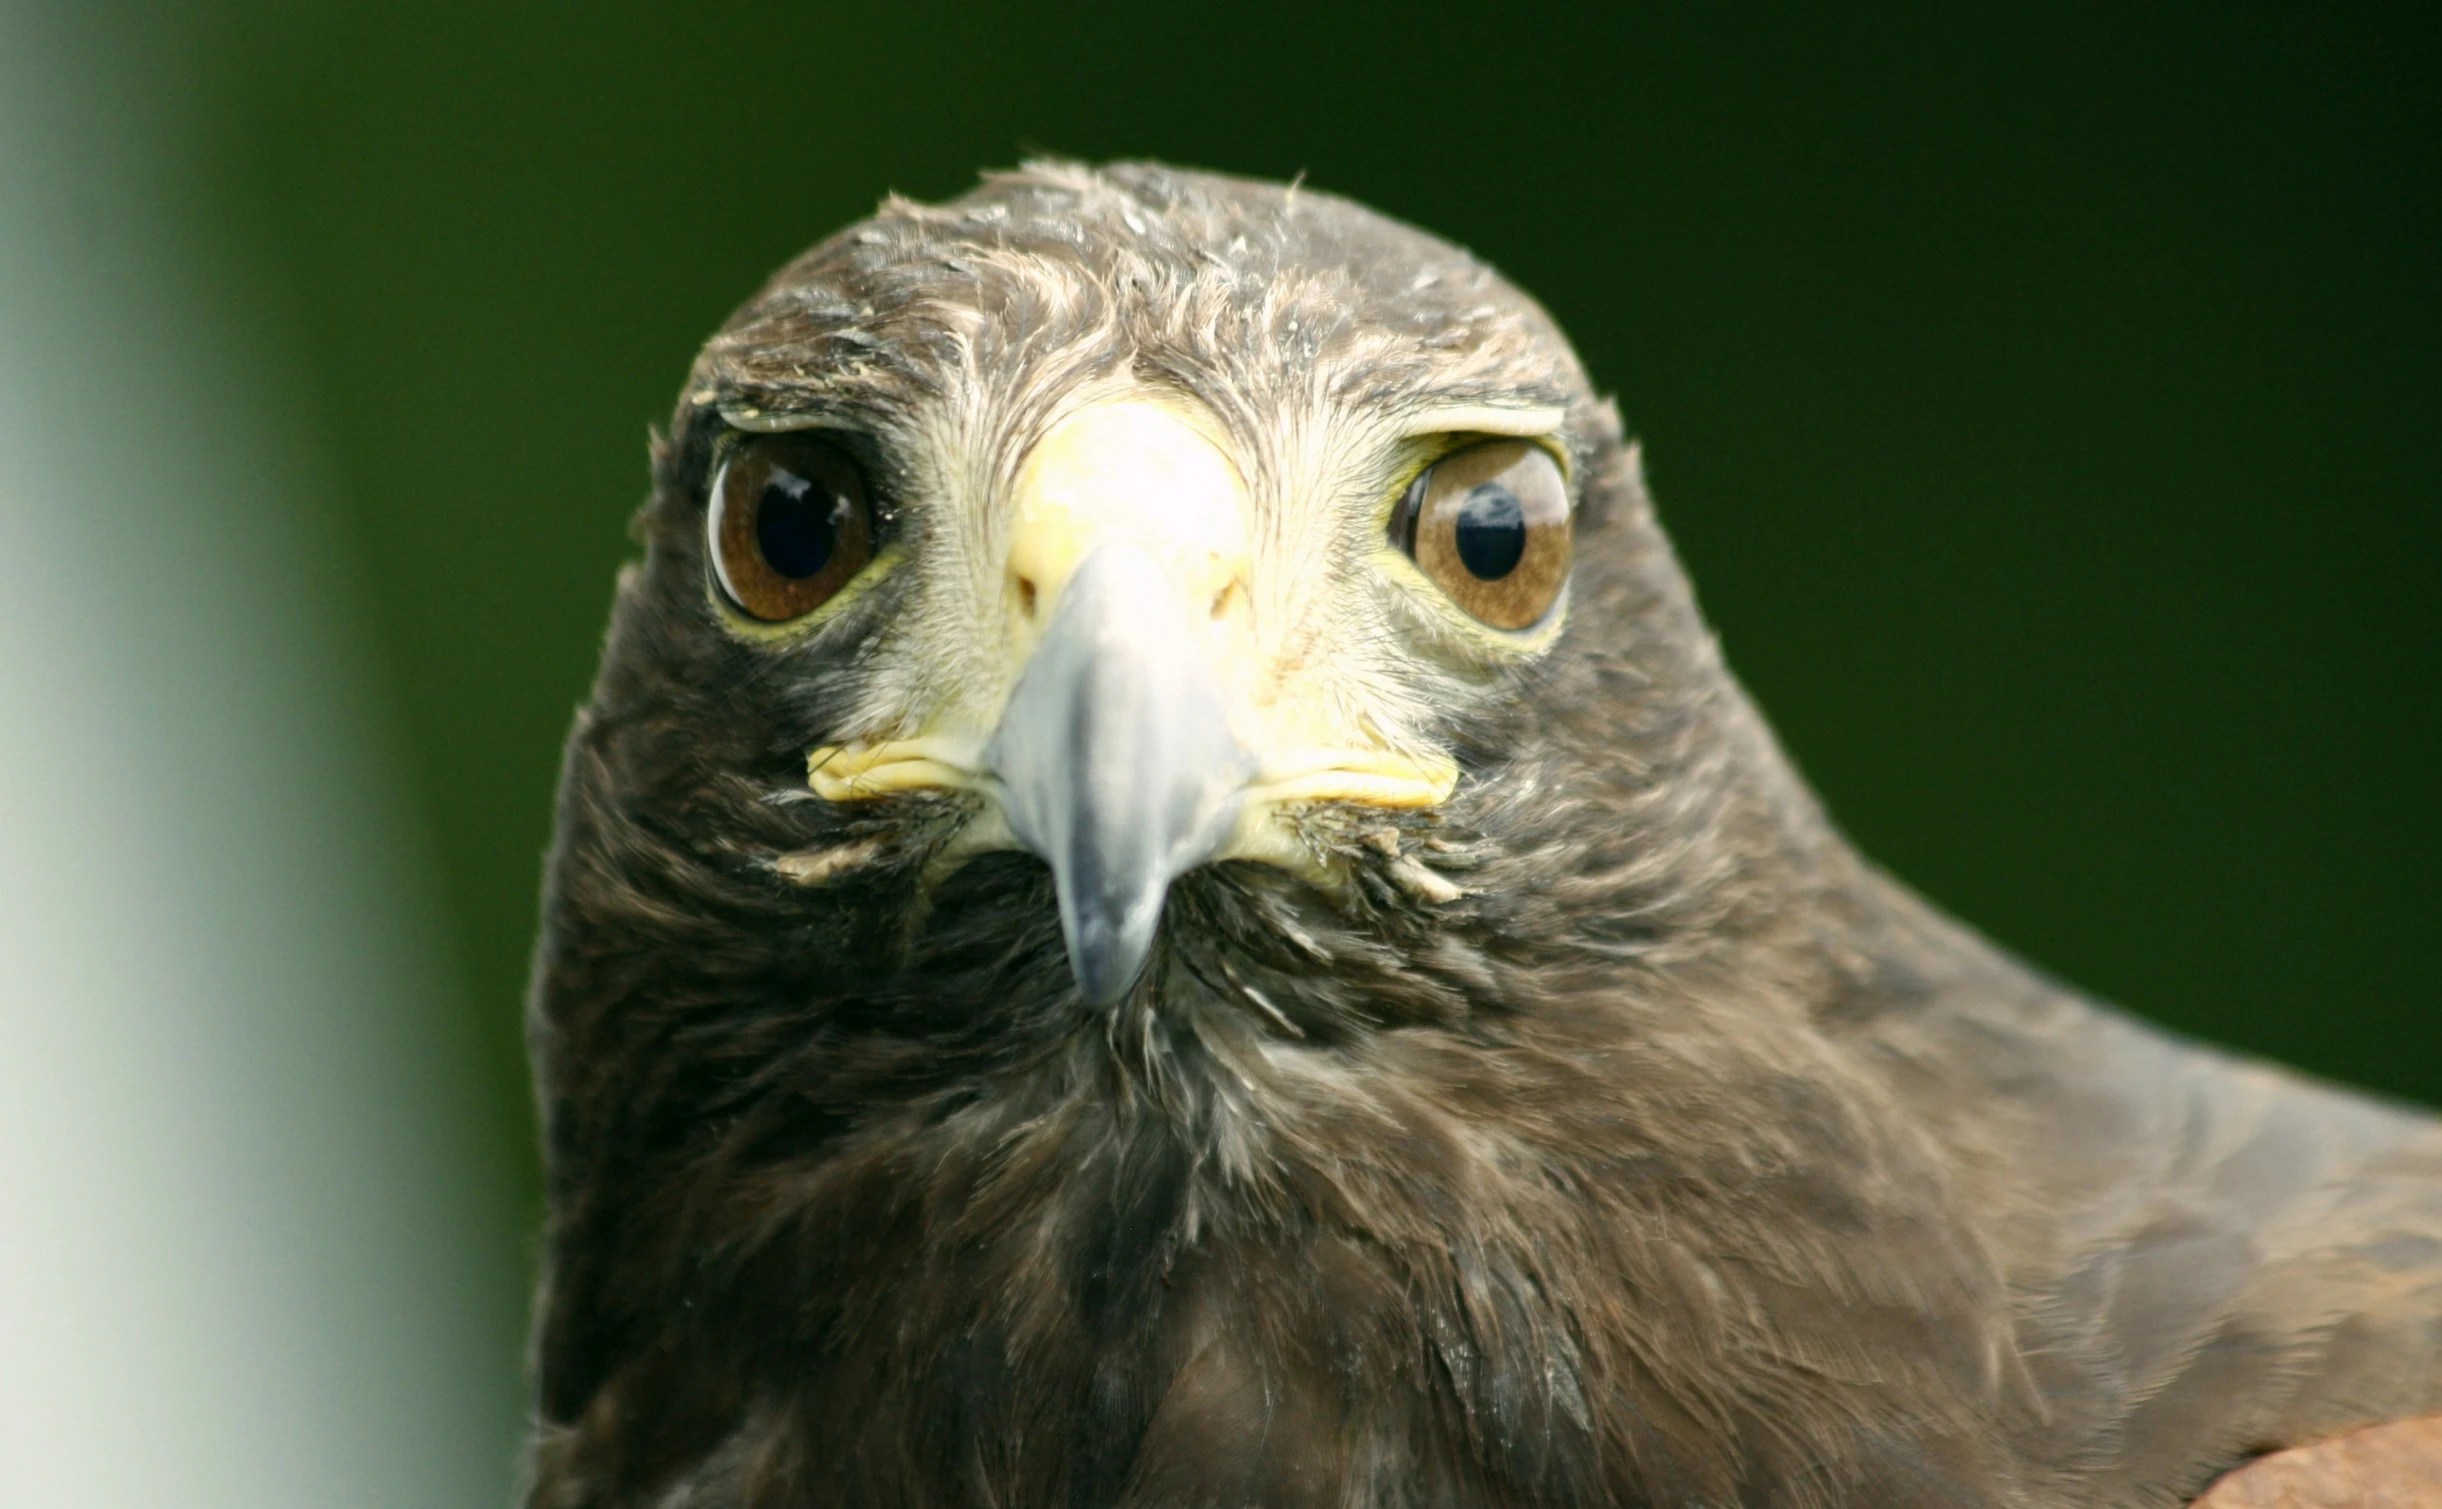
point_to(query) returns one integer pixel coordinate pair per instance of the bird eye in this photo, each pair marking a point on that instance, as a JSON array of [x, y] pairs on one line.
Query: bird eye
[[789, 525], [1490, 525]]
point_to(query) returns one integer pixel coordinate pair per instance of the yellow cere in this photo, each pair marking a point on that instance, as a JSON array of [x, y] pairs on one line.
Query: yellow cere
[[1136, 472], [1152, 475]]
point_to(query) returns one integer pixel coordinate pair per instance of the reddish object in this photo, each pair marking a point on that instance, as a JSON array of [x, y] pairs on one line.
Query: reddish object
[[2397, 1466]]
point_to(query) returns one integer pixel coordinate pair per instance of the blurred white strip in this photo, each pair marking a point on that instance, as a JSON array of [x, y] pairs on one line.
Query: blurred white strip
[[250, 1255]]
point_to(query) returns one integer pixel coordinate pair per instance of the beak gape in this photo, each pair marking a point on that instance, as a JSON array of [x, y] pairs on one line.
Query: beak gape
[[1115, 760]]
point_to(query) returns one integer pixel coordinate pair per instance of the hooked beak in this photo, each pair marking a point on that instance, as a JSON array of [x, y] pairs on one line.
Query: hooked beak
[[1115, 761], [1142, 735]]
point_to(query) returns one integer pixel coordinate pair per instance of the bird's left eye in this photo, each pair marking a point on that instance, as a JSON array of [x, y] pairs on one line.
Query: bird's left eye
[[789, 525], [1490, 525]]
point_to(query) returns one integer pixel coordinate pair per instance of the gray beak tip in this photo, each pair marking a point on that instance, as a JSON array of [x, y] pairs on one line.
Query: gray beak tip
[[1109, 945], [1116, 763]]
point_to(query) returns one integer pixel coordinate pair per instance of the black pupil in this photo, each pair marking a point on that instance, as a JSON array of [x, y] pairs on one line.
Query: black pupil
[[1491, 532], [796, 524]]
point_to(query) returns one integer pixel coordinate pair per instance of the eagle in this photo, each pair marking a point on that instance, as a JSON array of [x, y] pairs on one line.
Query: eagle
[[1163, 899]]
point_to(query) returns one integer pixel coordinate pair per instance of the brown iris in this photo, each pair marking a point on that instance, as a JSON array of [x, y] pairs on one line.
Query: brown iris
[[790, 525], [1490, 525]]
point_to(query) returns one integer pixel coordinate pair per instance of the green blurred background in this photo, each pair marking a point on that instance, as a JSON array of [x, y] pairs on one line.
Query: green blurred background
[[2045, 403]]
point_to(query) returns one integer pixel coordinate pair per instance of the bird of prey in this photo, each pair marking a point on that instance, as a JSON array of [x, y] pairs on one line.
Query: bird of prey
[[1164, 900]]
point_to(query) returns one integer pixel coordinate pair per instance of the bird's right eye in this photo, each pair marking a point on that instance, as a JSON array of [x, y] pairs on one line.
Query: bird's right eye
[[789, 525]]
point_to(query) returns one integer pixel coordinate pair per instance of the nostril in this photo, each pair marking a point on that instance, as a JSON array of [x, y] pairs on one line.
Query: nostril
[[1026, 595]]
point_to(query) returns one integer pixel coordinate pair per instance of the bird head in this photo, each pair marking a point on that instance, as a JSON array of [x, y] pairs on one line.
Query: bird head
[[1209, 588], [1156, 755]]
